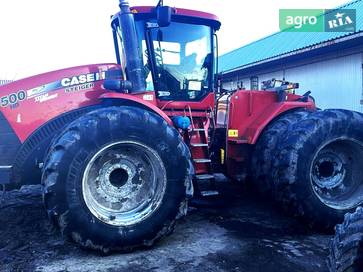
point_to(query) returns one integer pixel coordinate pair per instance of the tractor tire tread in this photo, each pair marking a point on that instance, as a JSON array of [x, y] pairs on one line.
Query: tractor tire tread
[[263, 156], [79, 131], [346, 248], [283, 172]]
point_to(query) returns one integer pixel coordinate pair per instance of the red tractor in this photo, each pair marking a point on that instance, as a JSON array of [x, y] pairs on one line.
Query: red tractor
[[119, 148]]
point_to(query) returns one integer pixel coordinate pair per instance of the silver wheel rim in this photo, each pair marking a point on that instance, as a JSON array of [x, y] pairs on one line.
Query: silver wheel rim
[[336, 173], [124, 183]]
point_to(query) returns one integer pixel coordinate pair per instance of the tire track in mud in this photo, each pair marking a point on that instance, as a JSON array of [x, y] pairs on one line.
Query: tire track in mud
[[236, 232]]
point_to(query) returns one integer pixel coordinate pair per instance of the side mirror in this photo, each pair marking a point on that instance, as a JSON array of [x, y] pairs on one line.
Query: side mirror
[[164, 15]]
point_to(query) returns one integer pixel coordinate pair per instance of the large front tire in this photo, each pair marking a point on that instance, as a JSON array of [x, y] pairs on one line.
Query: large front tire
[[318, 170], [116, 179], [346, 248]]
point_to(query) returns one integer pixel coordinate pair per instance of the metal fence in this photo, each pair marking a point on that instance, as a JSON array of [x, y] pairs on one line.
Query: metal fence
[[3, 81]]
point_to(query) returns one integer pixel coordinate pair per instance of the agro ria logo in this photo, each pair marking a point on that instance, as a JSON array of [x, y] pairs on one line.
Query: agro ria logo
[[318, 20], [340, 21]]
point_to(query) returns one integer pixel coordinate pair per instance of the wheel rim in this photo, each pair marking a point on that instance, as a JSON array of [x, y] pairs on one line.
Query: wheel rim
[[336, 174], [124, 183]]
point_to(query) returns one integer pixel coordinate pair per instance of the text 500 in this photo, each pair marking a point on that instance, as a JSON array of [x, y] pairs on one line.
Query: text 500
[[12, 99]]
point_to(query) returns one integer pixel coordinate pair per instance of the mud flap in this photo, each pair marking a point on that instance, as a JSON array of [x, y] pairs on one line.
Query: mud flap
[[5, 174]]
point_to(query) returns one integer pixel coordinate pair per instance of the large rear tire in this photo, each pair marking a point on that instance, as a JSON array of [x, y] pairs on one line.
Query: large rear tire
[[318, 171], [263, 155], [117, 178], [346, 248]]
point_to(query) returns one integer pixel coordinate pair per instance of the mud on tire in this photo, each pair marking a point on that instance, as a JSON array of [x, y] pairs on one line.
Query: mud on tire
[[263, 155], [318, 171], [117, 178], [346, 248]]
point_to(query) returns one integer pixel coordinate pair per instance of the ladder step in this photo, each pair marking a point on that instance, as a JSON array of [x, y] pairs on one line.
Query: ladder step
[[198, 145], [204, 176], [209, 193], [202, 160]]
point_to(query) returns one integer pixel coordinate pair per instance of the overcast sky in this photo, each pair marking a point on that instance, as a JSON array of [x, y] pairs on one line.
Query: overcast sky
[[43, 35]]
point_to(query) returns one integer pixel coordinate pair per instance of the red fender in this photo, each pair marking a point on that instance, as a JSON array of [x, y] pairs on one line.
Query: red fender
[[147, 99], [251, 111]]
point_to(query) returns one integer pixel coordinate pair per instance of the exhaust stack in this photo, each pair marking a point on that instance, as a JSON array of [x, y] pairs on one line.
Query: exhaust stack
[[134, 64]]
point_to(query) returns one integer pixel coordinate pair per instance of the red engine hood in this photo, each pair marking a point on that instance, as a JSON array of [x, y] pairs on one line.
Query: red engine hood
[[29, 103], [50, 77]]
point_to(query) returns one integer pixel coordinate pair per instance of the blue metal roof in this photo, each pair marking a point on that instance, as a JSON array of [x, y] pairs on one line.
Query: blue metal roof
[[282, 43]]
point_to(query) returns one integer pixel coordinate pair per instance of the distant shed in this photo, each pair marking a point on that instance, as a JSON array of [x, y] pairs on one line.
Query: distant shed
[[327, 63]]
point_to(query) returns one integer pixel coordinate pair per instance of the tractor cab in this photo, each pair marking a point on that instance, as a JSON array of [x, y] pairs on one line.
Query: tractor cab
[[175, 51]]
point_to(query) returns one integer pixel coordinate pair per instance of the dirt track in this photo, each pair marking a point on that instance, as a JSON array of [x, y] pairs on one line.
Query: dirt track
[[237, 233]]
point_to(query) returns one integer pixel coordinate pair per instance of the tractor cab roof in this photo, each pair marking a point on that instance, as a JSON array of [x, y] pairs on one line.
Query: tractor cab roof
[[180, 15]]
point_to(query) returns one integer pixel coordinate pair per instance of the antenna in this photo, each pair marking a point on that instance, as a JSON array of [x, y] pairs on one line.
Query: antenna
[[161, 3], [124, 3]]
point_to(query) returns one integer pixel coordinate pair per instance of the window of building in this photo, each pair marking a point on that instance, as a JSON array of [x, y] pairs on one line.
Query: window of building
[[254, 83]]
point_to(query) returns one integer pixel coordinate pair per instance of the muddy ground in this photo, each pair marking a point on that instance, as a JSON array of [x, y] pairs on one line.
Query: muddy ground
[[237, 232]]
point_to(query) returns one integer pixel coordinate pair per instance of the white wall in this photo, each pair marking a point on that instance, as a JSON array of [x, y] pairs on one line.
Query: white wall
[[334, 83], [269, 76], [235, 82]]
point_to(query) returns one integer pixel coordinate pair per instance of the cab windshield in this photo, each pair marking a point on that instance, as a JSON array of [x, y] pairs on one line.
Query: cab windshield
[[178, 60]]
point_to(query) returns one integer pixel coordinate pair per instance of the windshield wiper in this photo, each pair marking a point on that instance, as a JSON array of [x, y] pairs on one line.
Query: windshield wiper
[[151, 53], [160, 38]]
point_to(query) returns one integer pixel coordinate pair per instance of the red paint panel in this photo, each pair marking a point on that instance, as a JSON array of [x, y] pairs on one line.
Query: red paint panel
[[33, 112], [205, 104], [179, 11], [146, 99], [251, 111]]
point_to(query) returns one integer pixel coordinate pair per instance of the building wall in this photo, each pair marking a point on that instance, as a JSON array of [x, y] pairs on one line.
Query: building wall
[[236, 82], [335, 81]]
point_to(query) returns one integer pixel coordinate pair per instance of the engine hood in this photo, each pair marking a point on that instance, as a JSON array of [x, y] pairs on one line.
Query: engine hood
[[62, 78], [29, 103]]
